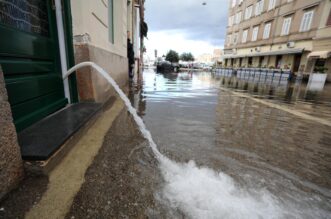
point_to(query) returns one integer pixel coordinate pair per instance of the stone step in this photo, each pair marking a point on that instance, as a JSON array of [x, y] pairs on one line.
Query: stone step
[[45, 143]]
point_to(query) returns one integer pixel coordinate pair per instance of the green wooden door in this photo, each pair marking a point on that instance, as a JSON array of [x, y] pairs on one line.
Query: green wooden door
[[30, 60]]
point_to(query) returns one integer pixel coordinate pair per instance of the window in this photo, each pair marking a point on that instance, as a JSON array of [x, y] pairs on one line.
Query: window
[[229, 39], [234, 3], [259, 7], [279, 60], [266, 32], [272, 4], [235, 38], [306, 21], [238, 17], [328, 22], [286, 26], [250, 61], [248, 12], [231, 20], [111, 21], [255, 33], [319, 65], [244, 36]]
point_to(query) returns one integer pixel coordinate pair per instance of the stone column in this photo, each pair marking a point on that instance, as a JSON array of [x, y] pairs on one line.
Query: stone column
[[11, 167], [84, 75]]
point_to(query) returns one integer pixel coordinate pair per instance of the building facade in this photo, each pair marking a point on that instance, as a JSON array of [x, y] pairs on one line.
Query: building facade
[[284, 34], [40, 40], [204, 58], [217, 56], [100, 32]]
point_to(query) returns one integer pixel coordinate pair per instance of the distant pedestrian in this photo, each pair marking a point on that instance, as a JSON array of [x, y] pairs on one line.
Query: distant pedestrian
[[130, 57]]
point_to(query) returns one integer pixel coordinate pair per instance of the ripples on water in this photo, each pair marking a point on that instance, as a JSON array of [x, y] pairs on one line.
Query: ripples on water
[[253, 161]]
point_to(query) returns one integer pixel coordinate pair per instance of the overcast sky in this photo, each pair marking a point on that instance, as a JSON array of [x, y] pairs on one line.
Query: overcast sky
[[185, 25]]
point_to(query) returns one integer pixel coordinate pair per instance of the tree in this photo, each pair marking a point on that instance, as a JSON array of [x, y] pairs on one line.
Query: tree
[[187, 56], [172, 56]]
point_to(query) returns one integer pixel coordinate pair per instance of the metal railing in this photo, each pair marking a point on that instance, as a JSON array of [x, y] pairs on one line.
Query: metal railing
[[256, 74]]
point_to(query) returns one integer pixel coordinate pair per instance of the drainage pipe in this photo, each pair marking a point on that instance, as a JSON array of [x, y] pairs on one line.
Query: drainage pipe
[[63, 56]]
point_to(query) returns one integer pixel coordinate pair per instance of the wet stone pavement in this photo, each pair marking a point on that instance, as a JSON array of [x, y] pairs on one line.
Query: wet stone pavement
[[122, 179]]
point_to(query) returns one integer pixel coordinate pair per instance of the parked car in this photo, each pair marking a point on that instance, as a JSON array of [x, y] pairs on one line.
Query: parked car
[[164, 67]]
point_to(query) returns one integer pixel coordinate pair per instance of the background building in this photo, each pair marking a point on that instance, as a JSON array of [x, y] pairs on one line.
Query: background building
[[287, 34], [204, 58], [217, 56]]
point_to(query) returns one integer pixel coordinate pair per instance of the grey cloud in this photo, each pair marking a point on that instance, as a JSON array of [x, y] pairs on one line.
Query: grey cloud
[[196, 21]]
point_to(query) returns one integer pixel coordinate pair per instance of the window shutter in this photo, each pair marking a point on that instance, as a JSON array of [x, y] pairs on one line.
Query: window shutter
[[328, 22], [266, 32], [303, 23], [288, 26], [306, 21], [310, 20]]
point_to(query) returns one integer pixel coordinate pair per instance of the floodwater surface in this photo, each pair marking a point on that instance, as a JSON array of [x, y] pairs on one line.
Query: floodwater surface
[[239, 148]]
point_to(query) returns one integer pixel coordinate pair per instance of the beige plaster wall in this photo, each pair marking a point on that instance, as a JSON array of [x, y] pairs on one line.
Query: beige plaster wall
[[324, 14], [287, 60], [265, 61], [272, 61], [130, 19], [283, 8], [92, 43], [116, 65], [304, 44], [245, 62], [92, 86], [91, 18], [304, 61], [236, 62], [256, 61]]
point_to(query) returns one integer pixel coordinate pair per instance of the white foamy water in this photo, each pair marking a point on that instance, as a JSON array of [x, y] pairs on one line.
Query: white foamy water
[[203, 193], [200, 192]]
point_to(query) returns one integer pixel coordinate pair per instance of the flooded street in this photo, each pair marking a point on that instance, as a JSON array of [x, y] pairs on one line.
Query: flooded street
[[171, 109], [229, 148], [255, 149]]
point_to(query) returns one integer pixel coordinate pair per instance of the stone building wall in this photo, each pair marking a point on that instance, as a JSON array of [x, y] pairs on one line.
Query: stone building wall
[[92, 86], [11, 168]]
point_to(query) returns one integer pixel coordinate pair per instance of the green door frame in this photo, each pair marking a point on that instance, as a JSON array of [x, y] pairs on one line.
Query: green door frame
[[67, 25], [32, 70], [21, 59]]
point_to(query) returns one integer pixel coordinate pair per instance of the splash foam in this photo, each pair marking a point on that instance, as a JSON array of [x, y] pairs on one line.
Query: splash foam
[[200, 192]]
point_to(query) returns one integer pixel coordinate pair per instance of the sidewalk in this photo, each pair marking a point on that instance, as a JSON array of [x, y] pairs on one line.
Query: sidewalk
[[101, 177]]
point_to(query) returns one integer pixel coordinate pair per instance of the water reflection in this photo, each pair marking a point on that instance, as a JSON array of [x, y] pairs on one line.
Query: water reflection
[[261, 147], [278, 140], [137, 99], [290, 92], [295, 95]]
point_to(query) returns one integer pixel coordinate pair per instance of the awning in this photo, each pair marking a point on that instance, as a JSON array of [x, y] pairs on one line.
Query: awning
[[319, 55], [271, 53], [233, 56]]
